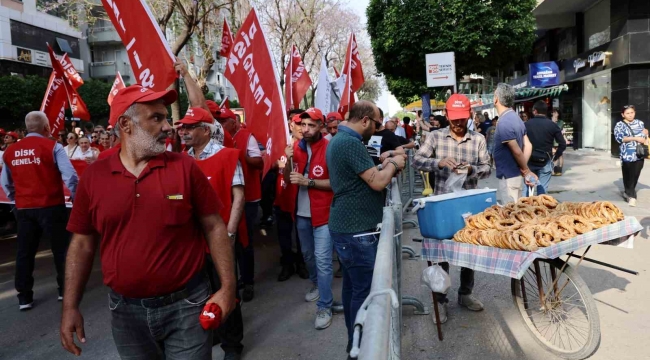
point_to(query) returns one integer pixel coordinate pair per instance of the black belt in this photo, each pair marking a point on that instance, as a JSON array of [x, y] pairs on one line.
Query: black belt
[[164, 300]]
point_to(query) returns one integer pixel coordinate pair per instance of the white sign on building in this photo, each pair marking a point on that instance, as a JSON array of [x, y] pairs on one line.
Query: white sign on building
[[441, 69]]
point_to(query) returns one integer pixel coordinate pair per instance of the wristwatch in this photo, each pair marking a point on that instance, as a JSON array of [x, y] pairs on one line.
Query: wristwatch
[[311, 183], [232, 236]]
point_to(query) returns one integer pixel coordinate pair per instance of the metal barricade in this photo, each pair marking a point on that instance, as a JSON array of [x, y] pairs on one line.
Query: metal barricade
[[380, 317]]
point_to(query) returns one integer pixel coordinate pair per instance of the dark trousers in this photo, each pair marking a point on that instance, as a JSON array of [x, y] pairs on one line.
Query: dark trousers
[[268, 194], [631, 173], [285, 230], [466, 282], [33, 225], [143, 332], [231, 331], [245, 255]]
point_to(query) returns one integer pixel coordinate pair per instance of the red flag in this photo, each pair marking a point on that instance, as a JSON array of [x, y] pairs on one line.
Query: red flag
[[78, 107], [54, 101], [288, 85], [226, 39], [70, 72], [118, 84], [300, 79], [151, 58], [251, 71], [353, 73]]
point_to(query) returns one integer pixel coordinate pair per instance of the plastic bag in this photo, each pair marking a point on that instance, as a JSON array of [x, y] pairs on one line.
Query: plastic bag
[[436, 279], [455, 182]]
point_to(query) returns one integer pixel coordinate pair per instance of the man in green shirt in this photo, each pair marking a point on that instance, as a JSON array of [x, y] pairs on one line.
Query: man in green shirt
[[358, 203]]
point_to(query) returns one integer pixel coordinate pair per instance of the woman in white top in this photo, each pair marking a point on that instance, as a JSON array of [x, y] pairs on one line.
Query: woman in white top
[[72, 148], [85, 152]]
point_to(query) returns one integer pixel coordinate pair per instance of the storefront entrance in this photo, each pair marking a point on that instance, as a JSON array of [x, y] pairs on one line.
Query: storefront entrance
[[596, 111]]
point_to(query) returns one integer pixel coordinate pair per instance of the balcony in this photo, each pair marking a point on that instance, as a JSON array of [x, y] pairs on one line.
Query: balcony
[[108, 69], [103, 35]]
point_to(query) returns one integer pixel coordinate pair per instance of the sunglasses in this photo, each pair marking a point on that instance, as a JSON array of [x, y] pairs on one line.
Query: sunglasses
[[629, 107], [93, 137]]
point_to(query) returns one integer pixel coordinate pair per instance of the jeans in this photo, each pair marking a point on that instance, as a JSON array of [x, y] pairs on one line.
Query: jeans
[[357, 254], [544, 174], [169, 332], [631, 173], [285, 230], [466, 282], [246, 256], [231, 331], [33, 225], [316, 245]]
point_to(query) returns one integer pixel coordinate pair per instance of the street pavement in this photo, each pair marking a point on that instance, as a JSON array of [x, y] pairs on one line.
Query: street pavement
[[279, 323]]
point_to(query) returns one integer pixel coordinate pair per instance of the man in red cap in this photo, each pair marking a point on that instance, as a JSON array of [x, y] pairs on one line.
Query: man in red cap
[[33, 175], [333, 120], [455, 149], [247, 144], [223, 169], [313, 201], [153, 227]]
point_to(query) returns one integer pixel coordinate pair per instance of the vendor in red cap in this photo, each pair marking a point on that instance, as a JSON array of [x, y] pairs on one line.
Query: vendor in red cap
[[455, 149], [152, 213], [222, 167], [333, 120], [253, 165]]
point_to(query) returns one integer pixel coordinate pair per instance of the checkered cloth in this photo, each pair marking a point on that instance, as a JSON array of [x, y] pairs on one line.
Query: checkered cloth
[[514, 263]]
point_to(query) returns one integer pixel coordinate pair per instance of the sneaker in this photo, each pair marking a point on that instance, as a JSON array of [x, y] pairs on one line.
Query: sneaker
[[337, 307], [632, 202], [470, 302], [248, 293], [442, 312], [286, 273], [25, 306], [60, 298], [301, 270], [312, 294], [231, 355], [323, 319]]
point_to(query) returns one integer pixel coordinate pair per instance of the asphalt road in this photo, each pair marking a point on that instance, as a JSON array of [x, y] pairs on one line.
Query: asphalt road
[[279, 323]]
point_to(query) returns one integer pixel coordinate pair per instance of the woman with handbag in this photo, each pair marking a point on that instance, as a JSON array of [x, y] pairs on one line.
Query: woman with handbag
[[631, 134]]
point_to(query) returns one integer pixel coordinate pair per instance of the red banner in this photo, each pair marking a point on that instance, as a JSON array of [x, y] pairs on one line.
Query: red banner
[[299, 80], [70, 72], [54, 101], [118, 84], [251, 71], [77, 106], [226, 39], [151, 59], [353, 73]]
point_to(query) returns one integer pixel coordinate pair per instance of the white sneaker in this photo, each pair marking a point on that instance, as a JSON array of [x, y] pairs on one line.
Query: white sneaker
[[23, 307], [312, 294], [60, 298], [323, 319], [632, 202]]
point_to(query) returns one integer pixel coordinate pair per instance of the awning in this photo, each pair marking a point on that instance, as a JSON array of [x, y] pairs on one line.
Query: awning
[[527, 94], [417, 105]]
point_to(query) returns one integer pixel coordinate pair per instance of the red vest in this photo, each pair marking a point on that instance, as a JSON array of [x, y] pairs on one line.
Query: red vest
[[37, 179], [220, 169], [319, 200], [252, 177], [285, 194]]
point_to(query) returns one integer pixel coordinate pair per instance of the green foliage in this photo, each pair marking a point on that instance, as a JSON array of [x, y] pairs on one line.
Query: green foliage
[[94, 93], [234, 104], [18, 96], [485, 35], [401, 114]]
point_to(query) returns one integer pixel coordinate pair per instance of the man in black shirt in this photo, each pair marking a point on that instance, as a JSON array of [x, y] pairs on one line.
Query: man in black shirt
[[382, 141], [542, 132]]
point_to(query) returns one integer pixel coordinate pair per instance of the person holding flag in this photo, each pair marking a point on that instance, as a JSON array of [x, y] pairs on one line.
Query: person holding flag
[[224, 172]]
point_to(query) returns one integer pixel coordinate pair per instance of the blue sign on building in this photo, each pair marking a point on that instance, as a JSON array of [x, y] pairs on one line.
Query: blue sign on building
[[543, 74]]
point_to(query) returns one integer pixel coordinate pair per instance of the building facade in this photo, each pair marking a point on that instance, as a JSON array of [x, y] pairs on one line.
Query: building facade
[[24, 34], [602, 51]]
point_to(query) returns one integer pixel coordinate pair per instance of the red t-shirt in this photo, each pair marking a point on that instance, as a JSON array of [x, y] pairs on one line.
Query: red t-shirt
[[108, 152], [152, 242]]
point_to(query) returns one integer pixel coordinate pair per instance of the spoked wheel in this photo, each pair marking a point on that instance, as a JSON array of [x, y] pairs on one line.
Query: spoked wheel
[[563, 317]]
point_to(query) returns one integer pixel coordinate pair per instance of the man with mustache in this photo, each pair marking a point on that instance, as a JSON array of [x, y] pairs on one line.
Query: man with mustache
[[153, 227], [222, 167]]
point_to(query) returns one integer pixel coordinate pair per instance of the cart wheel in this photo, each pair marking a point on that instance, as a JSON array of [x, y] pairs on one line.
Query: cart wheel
[[567, 324]]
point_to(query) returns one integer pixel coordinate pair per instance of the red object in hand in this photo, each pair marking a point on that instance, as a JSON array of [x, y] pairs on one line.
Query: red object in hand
[[210, 317]]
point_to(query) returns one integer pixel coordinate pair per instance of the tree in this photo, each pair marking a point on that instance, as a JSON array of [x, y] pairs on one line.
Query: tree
[[486, 35], [94, 94], [19, 96]]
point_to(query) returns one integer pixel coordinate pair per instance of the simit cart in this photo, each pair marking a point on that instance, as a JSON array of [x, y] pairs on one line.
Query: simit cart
[[554, 301]]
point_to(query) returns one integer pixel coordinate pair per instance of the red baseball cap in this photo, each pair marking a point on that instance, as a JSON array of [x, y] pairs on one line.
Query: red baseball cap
[[196, 115], [12, 134], [214, 107], [313, 114], [296, 118], [334, 115], [458, 107], [224, 114], [137, 94], [3, 132]]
